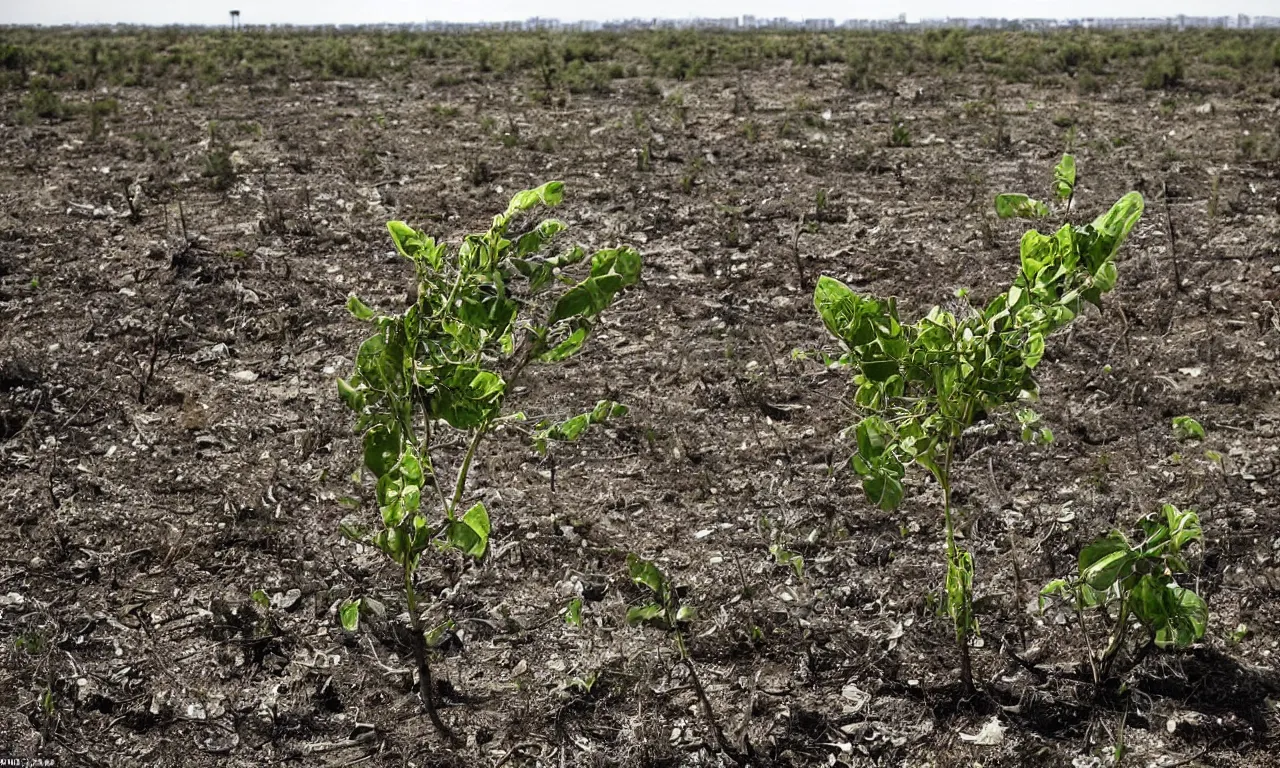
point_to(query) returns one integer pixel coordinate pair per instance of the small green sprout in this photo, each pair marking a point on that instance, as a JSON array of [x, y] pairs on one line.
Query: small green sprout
[[786, 557], [1187, 428], [1032, 431], [664, 610], [1138, 581], [573, 613], [349, 614], [900, 135]]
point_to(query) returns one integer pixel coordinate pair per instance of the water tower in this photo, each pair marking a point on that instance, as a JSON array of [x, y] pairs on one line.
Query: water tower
[[235, 19]]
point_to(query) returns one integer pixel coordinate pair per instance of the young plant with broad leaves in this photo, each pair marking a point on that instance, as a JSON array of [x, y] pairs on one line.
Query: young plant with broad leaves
[[664, 610], [1135, 585], [440, 372], [917, 387]]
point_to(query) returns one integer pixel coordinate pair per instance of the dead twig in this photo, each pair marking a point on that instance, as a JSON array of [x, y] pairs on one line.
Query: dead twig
[[511, 752], [144, 381], [330, 746], [795, 252], [1173, 241]]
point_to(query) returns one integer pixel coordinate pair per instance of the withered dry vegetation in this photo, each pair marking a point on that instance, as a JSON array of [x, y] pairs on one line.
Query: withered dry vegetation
[[184, 213]]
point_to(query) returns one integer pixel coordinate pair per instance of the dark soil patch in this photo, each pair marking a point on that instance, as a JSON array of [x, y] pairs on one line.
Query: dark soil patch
[[171, 439]]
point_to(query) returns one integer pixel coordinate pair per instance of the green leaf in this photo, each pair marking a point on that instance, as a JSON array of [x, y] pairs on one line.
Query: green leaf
[[856, 320], [573, 614], [404, 236], [788, 558], [437, 634], [1105, 560], [359, 309], [260, 597], [1183, 526], [467, 397], [382, 445], [379, 363], [1064, 177], [1034, 351], [535, 239], [1009, 205], [572, 428], [569, 347], [611, 271], [686, 613], [646, 574], [411, 467], [351, 396], [1060, 587], [1177, 616], [884, 490], [1187, 428], [621, 263], [959, 592], [349, 614], [550, 194], [471, 533], [643, 613], [874, 436], [1117, 222]]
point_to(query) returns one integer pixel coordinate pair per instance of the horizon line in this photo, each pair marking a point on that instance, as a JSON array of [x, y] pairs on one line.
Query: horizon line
[[745, 22]]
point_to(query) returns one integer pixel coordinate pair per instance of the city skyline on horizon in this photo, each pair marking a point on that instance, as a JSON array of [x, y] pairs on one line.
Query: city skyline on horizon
[[392, 12]]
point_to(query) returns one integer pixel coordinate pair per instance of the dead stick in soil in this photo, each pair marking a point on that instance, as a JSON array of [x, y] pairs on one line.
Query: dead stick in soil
[[1173, 240], [511, 752], [1036, 672], [743, 744], [795, 252], [161, 327], [330, 746], [134, 216], [710, 716]]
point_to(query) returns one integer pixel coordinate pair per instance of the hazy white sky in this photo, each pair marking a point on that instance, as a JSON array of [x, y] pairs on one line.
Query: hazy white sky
[[374, 11]]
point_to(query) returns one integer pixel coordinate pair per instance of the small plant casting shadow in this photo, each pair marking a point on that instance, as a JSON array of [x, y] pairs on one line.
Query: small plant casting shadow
[[948, 699], [1231, 697], [1212, 683]]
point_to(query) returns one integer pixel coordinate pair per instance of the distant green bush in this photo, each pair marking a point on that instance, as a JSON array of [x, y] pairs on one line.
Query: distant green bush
[[1164, 71]]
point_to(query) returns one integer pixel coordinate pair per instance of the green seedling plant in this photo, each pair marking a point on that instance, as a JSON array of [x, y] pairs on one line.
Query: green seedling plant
[[918, 387], [1187, 428], [1018, 205], [899, 134], [1135, 586], [440, 372], [665, 611]]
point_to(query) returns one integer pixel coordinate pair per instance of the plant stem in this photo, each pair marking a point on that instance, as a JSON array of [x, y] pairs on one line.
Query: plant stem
[[1088, 643], [463, 470], [1117, 637], [426, 686], [425, 452], [704, 702], [961, 622]]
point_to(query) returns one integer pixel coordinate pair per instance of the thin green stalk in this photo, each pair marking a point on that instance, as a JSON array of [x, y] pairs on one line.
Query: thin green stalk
[[425, 452], [1088, 642], [451, 510], [961, 622], [1117, 637]]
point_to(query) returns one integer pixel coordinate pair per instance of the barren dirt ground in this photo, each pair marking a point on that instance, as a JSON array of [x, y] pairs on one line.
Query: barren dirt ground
[[171, 439]]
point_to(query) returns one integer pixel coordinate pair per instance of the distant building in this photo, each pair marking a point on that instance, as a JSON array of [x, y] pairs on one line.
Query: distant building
[[748, 22]]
